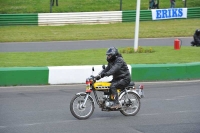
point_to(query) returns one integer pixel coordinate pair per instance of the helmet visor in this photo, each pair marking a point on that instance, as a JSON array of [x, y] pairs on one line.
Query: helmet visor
[[109, 56]]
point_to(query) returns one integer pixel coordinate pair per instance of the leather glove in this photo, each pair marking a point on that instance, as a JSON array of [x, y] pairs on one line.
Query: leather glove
[[103, 75], [98, 77]]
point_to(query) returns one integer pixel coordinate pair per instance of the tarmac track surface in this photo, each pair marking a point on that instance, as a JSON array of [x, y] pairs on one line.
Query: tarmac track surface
[[168, 107], [92, 44]]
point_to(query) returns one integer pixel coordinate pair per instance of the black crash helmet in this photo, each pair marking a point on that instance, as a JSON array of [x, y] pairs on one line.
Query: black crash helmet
[[197, 32], [111, 53]]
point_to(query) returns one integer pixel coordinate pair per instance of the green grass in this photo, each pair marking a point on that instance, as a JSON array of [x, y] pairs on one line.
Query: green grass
[[148, 29], [162, 54], [43, 6]]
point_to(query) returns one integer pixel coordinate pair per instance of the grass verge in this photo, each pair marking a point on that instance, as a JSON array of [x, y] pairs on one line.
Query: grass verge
[[148, 29], [162, 55]]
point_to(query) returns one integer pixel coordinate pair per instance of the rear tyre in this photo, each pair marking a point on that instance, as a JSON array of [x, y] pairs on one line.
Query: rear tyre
[[130, 107], [78, 110]]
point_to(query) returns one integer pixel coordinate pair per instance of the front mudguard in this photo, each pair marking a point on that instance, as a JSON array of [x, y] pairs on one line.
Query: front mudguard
[[83, 93]]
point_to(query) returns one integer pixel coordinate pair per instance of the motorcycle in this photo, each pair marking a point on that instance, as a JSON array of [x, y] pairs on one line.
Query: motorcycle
[[82, 104]]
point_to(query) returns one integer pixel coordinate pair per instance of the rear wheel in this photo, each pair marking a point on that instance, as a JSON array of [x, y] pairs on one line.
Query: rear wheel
[[79, 110], [131, 106]]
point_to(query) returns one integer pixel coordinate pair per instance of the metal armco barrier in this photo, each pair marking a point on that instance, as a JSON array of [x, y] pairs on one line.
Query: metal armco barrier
[[145, 15], [194, 12], [82, 17], [129, 16], [18, 19], [45, 19]]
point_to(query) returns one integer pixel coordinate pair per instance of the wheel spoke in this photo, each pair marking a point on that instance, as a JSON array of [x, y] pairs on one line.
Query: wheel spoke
[[130, 107], [78, 110]]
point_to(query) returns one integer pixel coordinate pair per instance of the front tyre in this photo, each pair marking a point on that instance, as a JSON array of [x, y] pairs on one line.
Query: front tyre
[[79, 110], [131, 106]]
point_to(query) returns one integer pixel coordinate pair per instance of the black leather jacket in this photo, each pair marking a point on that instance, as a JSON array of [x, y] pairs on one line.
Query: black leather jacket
[[197, 37], [118, 68]]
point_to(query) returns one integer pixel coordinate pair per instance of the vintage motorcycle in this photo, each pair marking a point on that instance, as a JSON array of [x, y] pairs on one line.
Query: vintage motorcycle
[[82, 104]]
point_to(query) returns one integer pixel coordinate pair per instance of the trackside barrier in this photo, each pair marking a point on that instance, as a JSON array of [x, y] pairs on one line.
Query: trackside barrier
[[130, 16], [23, 76], [77, 74], [18, 19], [145, 15], [74, 74], [194, 12], [159, 72], [71, 74], [45, 19]]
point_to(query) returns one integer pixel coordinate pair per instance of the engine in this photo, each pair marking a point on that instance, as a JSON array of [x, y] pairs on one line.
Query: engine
[[108, 104]]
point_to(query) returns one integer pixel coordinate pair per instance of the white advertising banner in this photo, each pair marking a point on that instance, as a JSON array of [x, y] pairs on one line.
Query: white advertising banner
[[170, 13]]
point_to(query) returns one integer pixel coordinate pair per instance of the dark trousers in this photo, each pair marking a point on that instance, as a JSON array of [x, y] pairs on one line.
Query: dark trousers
[[195, 44], [196, 41], [118, 84], [53, 2]]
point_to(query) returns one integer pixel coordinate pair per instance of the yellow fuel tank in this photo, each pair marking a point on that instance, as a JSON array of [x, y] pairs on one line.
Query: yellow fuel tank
[[102, 85]]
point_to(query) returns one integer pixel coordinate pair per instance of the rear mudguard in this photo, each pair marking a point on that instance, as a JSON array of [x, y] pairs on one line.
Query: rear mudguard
[[120, 96], [83, 93]]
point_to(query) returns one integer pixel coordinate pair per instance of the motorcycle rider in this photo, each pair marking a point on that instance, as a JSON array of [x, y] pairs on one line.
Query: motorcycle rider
[[118, 68], [196, 37]]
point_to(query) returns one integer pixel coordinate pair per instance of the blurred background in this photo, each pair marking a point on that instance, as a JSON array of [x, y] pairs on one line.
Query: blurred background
[[43, 6]]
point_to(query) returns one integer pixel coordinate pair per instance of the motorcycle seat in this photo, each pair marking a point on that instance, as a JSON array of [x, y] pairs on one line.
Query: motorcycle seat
[[131, 84]]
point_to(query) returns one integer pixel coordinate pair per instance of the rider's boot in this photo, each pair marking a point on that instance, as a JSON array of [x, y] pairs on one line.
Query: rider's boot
[[198, 45], [193, 43], [116, 104]]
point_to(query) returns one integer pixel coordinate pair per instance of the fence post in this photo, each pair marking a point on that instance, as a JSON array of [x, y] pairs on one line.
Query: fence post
[[185, 3], [50, 6], [120, 5]]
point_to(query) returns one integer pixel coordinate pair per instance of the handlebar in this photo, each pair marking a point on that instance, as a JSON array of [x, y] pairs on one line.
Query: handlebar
[[95, 77]]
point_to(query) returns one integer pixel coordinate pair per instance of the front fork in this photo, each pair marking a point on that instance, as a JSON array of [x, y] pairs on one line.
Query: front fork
[[85, 100], [87, 95]]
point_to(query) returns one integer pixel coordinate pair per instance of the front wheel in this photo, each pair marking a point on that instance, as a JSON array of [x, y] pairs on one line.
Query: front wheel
[[79, 110], [130, 104]]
